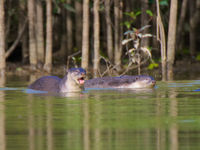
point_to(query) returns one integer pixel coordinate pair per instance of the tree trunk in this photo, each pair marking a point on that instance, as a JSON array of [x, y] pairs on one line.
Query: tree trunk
[[2, 39], [2, 112], [85, 35], [69, 31], [129, 6], [63, 46], [109, 31], [32, 39], [155, 44], [48, 56], [180, 25], [78, 20], [194, 19], [171, 38], [118, 51], [121, 33], [116, 32], [144, 21], [96, 29], [161, 38], [7, 21], [40, 32], [24, 39], [15, 43]]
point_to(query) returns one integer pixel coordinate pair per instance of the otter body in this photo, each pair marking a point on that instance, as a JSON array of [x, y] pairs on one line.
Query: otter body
[[126, 81], [46, 83], [73, 81]]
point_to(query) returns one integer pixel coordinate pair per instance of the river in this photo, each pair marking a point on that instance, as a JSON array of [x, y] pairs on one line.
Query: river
[[166, 117]]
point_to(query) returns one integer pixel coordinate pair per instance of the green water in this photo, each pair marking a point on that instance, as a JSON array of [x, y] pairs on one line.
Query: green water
[[167, 117]]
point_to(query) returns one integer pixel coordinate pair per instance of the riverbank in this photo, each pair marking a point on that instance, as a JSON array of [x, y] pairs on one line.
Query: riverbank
[[183, 70]]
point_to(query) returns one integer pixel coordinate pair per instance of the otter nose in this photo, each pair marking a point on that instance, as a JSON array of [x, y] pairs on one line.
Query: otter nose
[[83, 73], [154, 82]]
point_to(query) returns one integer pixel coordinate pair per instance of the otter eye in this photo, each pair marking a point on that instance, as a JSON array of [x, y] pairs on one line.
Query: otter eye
[[76, 71]]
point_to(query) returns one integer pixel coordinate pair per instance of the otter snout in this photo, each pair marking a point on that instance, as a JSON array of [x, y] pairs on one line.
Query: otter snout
[[154, 82]]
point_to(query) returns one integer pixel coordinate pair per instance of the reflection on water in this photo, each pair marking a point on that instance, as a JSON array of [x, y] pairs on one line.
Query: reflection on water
[[2, 115], [167, 117], [44, 93]]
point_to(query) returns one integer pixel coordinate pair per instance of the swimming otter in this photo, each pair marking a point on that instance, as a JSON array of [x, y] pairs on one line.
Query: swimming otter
[[73, 81], [126, 81]]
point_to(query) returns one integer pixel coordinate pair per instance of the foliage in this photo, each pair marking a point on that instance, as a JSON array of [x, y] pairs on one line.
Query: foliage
[[133, 16], [161, 2], [153, 65], [14, 19], [164, 2], [75, 59], [69, 8], [198, 57], [186, 51], [137, 53], [182, 53], [59, 3], [149, 12]]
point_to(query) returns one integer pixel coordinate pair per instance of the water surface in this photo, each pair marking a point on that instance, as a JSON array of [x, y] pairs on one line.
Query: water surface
[[167, 117]]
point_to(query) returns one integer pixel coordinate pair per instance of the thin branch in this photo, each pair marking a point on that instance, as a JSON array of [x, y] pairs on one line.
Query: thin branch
[[12, 48], [133, 67], [70, 56], [109, 66]]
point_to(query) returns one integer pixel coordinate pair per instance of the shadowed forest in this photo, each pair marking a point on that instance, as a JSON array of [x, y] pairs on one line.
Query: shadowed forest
[[106, 37]]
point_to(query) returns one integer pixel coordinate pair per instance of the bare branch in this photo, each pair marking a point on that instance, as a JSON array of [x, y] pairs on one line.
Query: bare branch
[[70, 57], [144, 27], [12, 48]]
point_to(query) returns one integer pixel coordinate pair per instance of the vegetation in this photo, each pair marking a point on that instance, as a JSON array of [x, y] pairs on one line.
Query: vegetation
[[137, 53], [42, 33]]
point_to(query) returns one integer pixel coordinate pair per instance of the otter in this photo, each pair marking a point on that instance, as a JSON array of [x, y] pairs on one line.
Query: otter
[[125, 81], [73, 81]]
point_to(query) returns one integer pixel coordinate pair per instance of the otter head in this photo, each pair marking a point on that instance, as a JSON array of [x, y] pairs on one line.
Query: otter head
[[77, 75], [73, 80], [144, 81]]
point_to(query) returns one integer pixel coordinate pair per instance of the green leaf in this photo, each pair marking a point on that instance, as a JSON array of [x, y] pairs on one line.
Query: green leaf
[[128, 32], [69, 8], [135, 29], [79, 58], [133, 15], [19, 69], [152, 66], [127, 24], [126, 41], [149, 12], [198, 57], [127, 13], [164, 3], [74, 58], [137, 13], [130, 14], [146, 35], [144, 27]]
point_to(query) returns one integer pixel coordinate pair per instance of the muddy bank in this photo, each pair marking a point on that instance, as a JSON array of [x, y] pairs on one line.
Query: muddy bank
[[183, 70]]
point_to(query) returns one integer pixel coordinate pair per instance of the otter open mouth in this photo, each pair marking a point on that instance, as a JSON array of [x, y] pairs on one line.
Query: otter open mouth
[[81, 80]]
